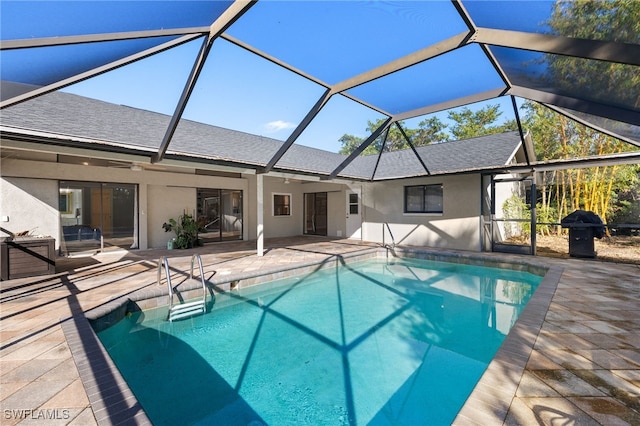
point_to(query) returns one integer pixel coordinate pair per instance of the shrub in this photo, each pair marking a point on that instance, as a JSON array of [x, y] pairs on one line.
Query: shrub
[[186, 230]]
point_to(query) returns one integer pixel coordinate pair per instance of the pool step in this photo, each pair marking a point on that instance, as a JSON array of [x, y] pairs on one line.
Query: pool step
[[186, 309]]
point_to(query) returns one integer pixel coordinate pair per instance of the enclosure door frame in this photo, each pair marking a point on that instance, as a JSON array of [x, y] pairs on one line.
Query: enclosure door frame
[[488, 231]]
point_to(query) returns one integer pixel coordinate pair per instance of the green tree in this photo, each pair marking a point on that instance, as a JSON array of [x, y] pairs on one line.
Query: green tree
[[597, 20], [350, 143], [556, 136], [469, 123], [394, 140], [430, 130], [626, 203]]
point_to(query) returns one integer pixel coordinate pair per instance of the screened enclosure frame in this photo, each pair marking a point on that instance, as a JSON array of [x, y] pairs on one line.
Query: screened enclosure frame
[[222, 27]]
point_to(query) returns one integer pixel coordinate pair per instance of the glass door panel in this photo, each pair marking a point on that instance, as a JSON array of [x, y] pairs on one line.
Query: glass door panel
[[119, 215], [231, 214], [321, 213], [219, 214], [80, 217], [97, 216], [315, 213], [209, 215]]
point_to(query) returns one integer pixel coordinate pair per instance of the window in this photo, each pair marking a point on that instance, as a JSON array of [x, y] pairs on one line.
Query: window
[[65, 202], [423, 199], [354, 205], [282, 204]]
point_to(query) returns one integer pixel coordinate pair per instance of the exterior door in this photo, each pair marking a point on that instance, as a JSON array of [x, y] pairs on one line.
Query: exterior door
[[97, 216], [354, 214], [219, 214], [512, 200], [315, 213]]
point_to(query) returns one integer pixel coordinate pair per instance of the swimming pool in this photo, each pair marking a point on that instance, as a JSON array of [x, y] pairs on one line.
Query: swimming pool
[[373, 342]]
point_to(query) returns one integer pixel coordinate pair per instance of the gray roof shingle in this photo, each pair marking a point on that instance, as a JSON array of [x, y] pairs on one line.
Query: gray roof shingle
[[77, 117]]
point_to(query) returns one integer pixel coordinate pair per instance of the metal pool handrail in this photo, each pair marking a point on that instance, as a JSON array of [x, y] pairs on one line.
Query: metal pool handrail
[[181, 310], [163, 261], [199, 259], [393, 240]]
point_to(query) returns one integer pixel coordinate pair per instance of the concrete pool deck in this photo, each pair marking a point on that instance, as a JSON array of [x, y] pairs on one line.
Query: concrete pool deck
[[574, 357]]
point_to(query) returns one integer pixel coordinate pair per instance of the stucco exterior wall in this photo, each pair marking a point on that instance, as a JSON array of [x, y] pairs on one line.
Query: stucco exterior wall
[[164, 195], [30, 194], [33, 185], [336, 205], [281, 226], [284, 226], [165, 202], [458, 227], [30, 205]]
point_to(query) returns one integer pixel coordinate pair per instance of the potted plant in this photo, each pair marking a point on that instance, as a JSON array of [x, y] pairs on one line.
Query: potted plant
[[186, 230]]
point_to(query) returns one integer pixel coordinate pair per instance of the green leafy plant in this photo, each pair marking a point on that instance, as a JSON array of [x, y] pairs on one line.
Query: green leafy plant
[[186, 230], [516, 208]]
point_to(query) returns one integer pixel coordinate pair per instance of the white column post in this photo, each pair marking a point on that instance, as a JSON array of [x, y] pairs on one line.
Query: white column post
[[260, 214]]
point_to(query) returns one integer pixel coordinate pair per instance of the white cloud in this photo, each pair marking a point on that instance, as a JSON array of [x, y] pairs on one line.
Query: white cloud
[[276, 126]]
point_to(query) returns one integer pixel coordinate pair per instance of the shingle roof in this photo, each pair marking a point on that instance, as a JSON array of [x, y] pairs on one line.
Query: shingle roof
[[75, 117]]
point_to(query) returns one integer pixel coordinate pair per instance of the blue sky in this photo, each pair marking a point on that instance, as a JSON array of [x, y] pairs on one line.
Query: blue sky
[[231, 96], [241, 91], [247, 94]]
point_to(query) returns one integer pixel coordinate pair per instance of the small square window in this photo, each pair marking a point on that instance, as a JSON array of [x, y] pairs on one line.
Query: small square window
[[282, 204]]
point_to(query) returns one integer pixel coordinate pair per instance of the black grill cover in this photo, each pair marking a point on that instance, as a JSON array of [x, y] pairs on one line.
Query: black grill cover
[[584, 217]]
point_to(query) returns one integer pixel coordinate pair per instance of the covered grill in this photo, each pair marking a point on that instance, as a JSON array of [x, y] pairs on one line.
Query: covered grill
[[583, 227]]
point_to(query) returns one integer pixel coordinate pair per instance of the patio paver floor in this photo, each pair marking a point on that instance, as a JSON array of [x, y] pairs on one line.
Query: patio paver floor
[[584, 367]]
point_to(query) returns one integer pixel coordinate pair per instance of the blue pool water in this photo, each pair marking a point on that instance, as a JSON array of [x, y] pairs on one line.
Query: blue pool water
[[399, 343]]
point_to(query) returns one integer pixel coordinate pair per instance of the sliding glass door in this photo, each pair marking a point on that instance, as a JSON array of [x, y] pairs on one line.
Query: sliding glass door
[[219, 214], [97, 216], [315, 213]]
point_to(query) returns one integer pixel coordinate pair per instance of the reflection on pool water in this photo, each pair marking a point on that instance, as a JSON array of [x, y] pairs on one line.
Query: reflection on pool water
[[374, 342]]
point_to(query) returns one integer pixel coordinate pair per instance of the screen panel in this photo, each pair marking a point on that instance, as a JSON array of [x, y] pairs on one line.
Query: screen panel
[[603, 82], [336, 40], [38, 19], [457, 74], [45, 65]]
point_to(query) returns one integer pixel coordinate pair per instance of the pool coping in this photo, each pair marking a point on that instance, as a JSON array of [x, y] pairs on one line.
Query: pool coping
[[113, 402], [492, 396]]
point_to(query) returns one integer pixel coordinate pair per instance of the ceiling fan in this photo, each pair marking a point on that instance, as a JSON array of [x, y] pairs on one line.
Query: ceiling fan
[[134, 166]]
